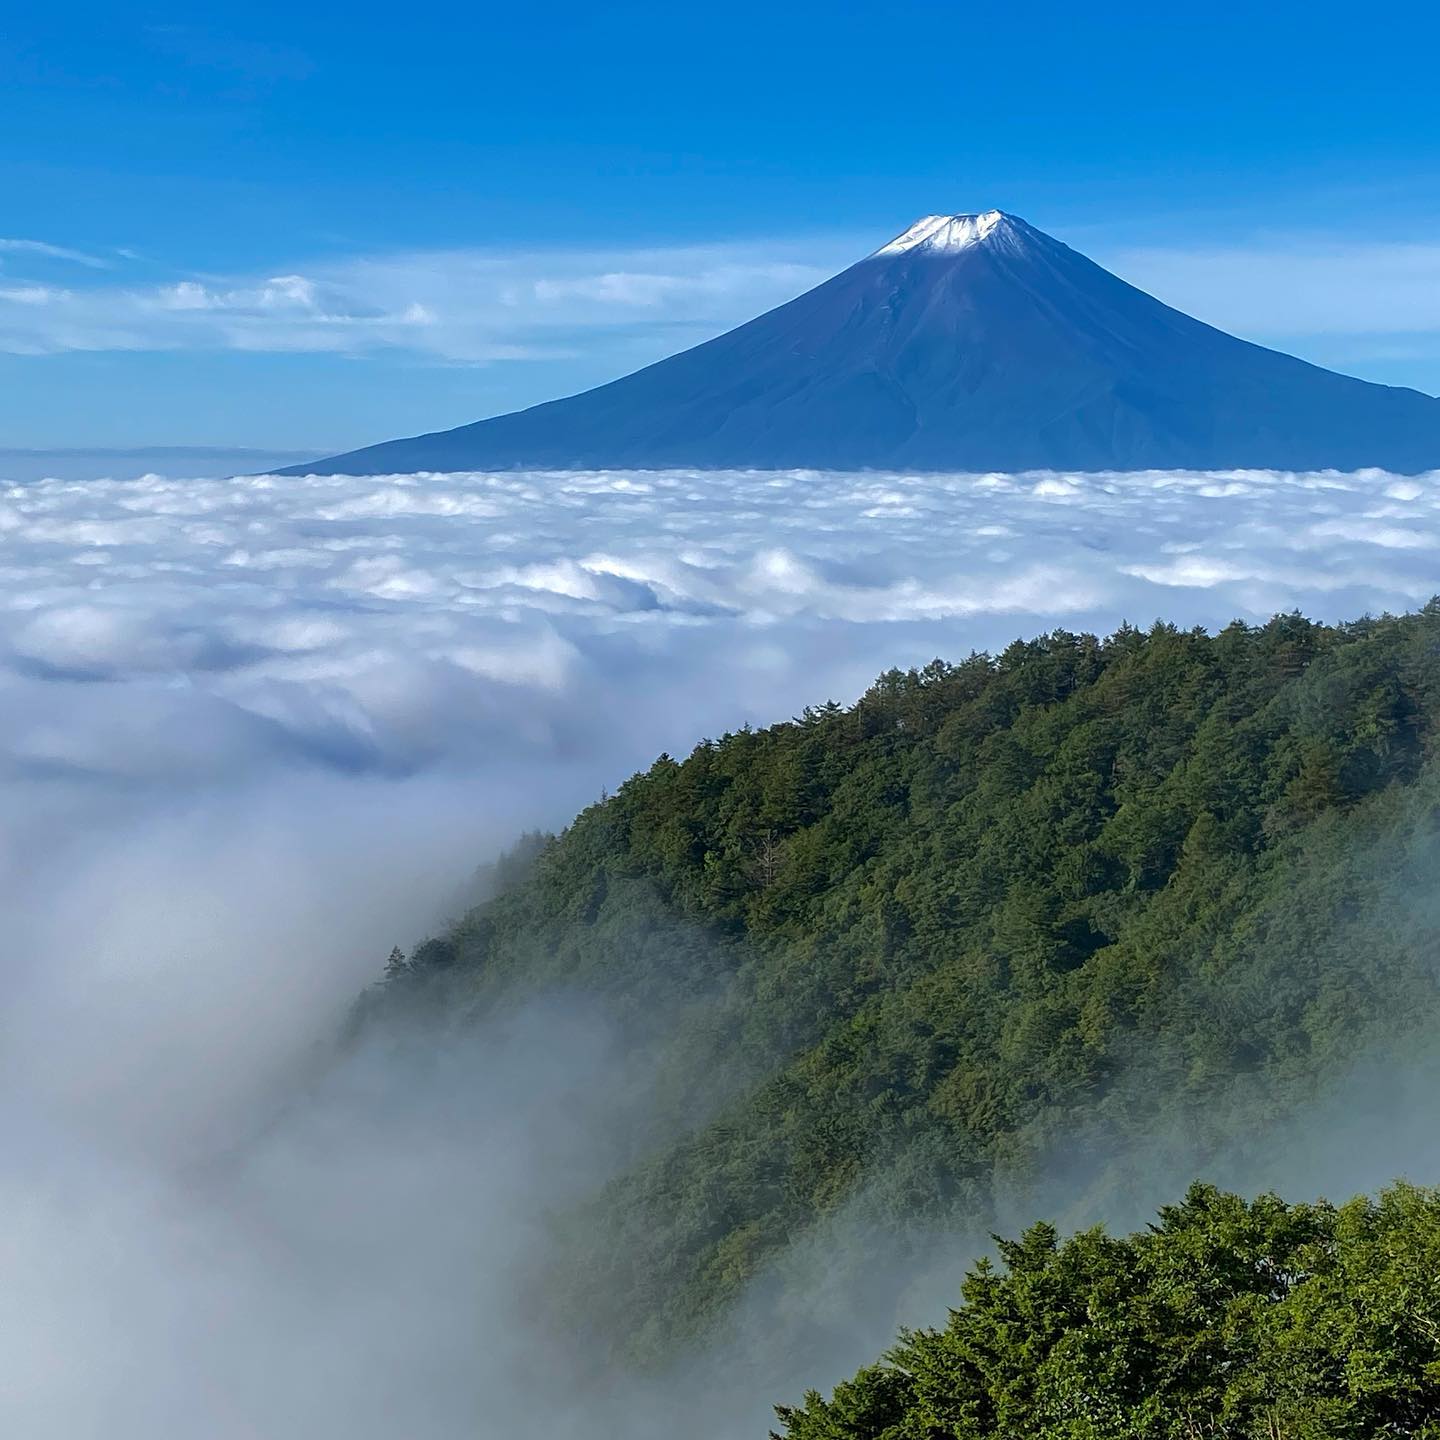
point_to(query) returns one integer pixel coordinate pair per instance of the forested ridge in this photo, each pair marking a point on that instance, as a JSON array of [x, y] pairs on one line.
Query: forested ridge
[[893, 954]]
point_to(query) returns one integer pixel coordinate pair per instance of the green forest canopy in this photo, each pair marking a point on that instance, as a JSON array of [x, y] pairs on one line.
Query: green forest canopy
[[891, 955], [1224, 1319]]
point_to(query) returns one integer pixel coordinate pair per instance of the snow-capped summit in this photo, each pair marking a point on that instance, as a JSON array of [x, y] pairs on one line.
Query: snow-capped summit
[[945, 234], [969, 342]]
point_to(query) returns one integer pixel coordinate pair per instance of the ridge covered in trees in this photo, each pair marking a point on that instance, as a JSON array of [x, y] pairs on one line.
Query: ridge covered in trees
[[889, 957]]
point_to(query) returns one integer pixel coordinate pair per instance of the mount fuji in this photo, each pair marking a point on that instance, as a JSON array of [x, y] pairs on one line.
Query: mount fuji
[[969, 342]]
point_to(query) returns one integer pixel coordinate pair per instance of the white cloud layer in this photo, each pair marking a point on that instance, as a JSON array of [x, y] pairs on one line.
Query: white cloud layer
[[394, 624], [253, 732]]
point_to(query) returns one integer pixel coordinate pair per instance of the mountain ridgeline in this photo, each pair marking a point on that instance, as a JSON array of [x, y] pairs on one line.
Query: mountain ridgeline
[[971, 343], [894, 958]]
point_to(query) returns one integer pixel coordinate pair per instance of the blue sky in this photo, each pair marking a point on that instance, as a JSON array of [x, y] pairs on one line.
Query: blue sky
[[326, 227]]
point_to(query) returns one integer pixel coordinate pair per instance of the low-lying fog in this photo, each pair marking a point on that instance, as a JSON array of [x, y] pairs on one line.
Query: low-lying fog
[[255, 732]]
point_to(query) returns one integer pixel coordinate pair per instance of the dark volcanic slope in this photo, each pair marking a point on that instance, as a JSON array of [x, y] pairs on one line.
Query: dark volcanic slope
[[969, 343]]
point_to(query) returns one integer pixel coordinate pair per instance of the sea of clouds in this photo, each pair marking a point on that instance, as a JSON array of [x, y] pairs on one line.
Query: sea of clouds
[[182, 632], [253, 732]]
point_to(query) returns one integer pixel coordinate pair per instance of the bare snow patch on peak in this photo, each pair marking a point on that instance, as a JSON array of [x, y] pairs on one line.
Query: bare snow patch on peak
[[944, 234]]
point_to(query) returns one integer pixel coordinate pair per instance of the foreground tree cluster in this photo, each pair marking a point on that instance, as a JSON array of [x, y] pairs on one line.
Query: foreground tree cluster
[[1259, 1321]]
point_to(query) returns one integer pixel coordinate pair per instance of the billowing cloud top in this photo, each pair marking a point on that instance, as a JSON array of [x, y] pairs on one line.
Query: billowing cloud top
[[185, 627]]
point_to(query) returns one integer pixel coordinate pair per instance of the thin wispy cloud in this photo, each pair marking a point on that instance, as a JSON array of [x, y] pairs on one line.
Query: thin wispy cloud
[[44, 250], [1338, 302], [456, 305], [30, 294]]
